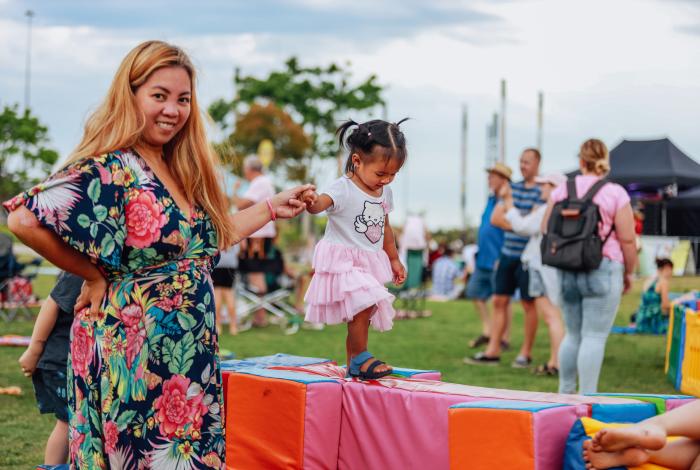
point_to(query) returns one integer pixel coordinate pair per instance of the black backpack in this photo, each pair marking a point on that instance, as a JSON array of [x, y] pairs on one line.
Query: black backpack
[[573, 241]]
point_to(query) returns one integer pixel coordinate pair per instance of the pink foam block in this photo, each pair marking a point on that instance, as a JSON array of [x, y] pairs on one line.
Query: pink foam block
[[403, 423]]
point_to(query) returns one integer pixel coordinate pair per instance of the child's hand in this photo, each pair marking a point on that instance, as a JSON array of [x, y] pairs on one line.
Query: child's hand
[[309, 197], [30, 358], [399, 271]]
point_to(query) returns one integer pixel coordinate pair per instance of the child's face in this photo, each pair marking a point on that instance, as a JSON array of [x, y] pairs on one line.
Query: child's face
[[377, 172]]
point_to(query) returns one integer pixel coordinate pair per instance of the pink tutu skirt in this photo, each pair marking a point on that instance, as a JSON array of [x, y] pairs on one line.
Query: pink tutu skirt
[[347, 281]]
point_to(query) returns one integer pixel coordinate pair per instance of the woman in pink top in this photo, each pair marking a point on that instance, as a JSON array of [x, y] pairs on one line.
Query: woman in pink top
[[590, 299]]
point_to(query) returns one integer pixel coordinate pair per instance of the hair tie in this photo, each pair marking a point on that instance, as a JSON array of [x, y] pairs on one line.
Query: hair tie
[[369, 134]]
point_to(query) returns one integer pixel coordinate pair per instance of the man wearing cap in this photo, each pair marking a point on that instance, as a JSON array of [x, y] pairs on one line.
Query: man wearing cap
[[510, 275], [490, 241]]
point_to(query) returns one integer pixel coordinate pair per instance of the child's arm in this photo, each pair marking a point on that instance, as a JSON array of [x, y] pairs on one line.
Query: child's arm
[[390, 248], [665, 300], [45, 321], [316, 203]]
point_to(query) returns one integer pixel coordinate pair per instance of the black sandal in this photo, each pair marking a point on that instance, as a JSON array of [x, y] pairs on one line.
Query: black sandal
[[481, 340], [546, 370], [357, 362]]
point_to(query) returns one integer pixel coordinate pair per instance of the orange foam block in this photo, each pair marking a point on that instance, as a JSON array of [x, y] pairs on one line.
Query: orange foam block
[[282, 420], [517, 435]]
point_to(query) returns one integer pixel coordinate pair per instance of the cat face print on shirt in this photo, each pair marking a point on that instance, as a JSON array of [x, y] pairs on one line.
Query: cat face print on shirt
[[371, 221]]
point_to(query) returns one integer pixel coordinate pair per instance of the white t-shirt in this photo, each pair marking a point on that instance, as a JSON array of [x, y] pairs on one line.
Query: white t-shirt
[[261, 188], [356, 219], [469, 256], [413, 237]]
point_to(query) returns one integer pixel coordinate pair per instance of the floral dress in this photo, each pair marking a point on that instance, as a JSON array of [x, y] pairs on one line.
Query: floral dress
[[143, 379]]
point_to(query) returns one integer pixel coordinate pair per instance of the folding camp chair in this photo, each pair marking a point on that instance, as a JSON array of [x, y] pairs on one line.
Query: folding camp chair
[[16, 292], [274, 302]]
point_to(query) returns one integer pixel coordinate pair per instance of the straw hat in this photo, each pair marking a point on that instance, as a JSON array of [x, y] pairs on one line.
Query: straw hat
[[501, 169]]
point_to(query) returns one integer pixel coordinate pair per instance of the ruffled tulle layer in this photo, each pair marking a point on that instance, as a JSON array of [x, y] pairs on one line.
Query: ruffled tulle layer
[[347, 281]]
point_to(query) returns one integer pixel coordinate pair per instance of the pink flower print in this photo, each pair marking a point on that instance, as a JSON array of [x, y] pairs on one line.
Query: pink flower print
[[175, 411], [131, 315], [135, 338], [144, 219], [81, 349], [111, 436]]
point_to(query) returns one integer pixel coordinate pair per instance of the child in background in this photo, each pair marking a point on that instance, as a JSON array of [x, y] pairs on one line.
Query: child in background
[[357, 255], [655, 305], [45, 360]]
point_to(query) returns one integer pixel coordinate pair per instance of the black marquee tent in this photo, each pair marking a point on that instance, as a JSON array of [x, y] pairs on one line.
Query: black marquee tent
[[653, 163]]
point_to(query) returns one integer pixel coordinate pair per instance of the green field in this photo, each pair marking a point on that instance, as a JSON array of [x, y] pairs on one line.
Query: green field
[[632, 363]]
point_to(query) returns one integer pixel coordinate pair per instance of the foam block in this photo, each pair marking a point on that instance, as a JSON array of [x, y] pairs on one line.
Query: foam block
[[282, 419], [403, 423], [279, 360], [517, 435], [662, 402]]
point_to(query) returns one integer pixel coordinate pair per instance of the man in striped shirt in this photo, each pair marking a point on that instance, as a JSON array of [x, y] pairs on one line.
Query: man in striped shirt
[[510, 274]]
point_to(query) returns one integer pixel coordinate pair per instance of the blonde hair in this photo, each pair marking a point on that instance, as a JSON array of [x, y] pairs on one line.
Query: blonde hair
[[595, 156], [118, 124]]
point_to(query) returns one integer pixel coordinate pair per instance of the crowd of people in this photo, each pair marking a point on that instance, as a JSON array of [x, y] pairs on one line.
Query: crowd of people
[[149, 241]]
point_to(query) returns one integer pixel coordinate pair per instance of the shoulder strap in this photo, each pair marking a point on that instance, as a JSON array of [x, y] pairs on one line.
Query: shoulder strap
[[594, 190], [571, 189]]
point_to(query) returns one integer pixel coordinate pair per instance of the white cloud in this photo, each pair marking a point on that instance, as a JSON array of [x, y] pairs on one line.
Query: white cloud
[[608, 69]]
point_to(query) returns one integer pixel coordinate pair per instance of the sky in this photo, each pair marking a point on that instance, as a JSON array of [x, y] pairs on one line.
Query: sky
[[623, 69]]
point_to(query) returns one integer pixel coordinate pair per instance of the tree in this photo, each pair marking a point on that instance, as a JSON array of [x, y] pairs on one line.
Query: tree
[[267, 122], [316, 97], [24, 158]]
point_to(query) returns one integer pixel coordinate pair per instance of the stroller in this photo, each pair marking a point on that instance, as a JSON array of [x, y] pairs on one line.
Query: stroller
[[16, 293]]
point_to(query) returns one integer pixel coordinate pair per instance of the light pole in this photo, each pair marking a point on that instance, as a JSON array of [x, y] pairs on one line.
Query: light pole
[[27, 72]]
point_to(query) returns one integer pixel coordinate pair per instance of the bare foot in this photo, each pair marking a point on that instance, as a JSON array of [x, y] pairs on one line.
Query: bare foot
[[233, 330], [646, 436], [29, 359], [630, 457]]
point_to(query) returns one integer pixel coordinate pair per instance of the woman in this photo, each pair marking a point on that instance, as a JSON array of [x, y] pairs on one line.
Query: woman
[[590, 299], [138, 213]]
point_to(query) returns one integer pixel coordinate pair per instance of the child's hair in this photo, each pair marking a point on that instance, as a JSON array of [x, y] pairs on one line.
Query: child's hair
[[365, 136], [663, 262]]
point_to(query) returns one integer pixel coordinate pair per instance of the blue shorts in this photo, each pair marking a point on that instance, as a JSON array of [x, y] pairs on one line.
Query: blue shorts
[[510, 276], [50, 388], [480, 286]]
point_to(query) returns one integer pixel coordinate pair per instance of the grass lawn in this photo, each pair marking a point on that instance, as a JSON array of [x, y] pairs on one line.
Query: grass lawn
[[632, 363]]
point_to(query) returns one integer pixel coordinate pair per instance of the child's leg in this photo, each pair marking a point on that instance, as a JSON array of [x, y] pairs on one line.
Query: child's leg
[[552, 319], [229, 299], [651, 433], [679, 454], [218, 298], [57, 445], [45, 321], [358, 333]]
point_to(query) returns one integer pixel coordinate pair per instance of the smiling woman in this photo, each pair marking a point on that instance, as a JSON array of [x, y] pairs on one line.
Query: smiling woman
[[139, 214]]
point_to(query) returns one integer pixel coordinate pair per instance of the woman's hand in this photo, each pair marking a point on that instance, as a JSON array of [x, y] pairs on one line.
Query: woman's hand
[[399, 271], [288, 204], [91, 295]]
